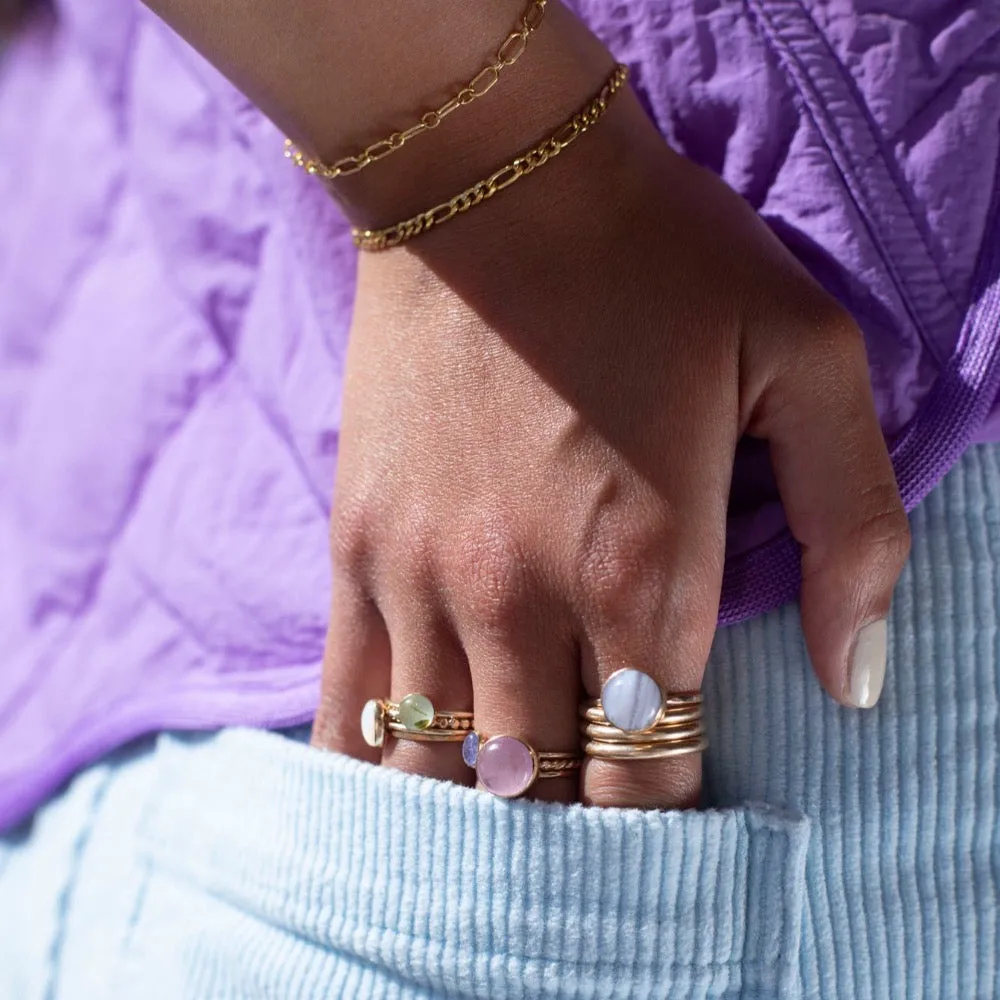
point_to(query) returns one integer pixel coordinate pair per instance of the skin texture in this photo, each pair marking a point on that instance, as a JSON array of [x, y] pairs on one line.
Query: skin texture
[[536, 456], [543, 400]]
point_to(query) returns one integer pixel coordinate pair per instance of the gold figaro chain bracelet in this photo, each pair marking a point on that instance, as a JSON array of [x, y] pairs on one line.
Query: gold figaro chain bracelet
[[484, 81], [392, 236]]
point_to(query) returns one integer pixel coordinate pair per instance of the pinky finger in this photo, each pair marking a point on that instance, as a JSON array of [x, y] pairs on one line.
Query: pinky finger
[[356, 668]]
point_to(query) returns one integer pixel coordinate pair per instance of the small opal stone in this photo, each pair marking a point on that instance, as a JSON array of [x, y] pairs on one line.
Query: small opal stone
[[470, 749], [631, 700], [505, 766], [416, 712], [373, 723]]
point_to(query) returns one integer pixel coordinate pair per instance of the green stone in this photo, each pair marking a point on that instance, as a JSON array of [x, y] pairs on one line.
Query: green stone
[[416, 712]]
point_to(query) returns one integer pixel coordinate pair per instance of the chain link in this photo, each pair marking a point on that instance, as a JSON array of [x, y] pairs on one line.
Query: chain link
[[509, 52], [392, 236]]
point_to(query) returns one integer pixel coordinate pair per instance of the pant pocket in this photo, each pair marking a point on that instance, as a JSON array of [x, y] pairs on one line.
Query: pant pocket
[[278, 870]]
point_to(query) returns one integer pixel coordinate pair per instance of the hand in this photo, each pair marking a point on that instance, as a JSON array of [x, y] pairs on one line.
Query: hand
[[541, 412]]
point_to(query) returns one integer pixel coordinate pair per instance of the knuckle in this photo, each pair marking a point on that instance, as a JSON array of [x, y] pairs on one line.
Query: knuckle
[[490, 575], [839, 327], [828, 321], [414, 538], [882, 535], [350, 532], [843, 345], [618, 575], [833, 343]]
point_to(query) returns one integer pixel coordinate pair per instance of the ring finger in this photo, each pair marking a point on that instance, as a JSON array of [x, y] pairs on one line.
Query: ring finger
[[526, 681], [428, 661], [660, 622]]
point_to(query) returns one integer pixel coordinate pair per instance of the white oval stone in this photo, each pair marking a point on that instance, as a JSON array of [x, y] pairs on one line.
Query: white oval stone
[[631, 700], [373, 723]]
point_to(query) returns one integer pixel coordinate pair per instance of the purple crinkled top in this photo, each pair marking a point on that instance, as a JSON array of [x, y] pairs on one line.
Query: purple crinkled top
[[175, 299]]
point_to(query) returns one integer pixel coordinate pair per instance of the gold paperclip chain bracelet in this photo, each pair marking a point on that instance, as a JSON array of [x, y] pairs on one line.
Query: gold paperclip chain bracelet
[[509, 52]]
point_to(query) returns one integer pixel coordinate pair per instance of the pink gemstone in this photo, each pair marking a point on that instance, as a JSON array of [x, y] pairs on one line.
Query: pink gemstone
[[505, 766]]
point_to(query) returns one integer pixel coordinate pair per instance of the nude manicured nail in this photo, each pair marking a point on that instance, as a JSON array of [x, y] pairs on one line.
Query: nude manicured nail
[[867, 670]]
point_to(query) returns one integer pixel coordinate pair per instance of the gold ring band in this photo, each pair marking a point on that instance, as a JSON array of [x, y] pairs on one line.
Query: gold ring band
[[557, 765], [686, 712], [432, 734], [429, 727], [412, 718], [600, 750], [610, 734]]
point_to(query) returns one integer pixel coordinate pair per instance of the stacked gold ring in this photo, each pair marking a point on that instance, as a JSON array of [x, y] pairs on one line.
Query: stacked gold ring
[[606, 750], [666, 734], [669, 727], [413, 718], [677, 710]]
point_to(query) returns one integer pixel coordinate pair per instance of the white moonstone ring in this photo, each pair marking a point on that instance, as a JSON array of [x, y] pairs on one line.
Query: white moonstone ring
[[633, 720], [631, 700]]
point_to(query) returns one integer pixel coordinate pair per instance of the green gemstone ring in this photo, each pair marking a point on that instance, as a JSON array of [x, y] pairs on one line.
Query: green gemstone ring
[[414, 718]]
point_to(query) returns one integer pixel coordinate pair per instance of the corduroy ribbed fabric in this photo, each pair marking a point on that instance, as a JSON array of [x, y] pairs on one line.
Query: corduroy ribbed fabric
[[245, 864], [261, 867]]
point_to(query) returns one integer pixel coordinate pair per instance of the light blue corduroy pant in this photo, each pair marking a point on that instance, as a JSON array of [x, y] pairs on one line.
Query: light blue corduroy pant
[[245, 864]]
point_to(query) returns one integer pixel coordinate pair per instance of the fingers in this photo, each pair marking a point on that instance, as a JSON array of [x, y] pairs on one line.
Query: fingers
[[840, 496], [427, 659], [385, 642], [356, 667], [671, 645], [530, 690], [651, 594], [522, 654]]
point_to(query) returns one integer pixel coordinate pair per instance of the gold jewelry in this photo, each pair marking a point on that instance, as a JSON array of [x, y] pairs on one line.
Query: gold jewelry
[[676, 728], [634, 702], [556, 765], [526, 163], [602, 750], [414, 718], [674, 710], [509, 52], [665, 734], [508, 767]]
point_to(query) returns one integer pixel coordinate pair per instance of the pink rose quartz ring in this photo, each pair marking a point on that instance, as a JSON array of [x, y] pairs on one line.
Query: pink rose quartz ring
[[508, 767]]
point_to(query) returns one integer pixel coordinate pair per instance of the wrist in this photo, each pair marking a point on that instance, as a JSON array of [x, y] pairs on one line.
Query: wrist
[[545, 235]]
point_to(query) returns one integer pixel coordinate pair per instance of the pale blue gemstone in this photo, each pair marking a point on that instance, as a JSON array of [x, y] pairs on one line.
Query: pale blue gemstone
[[631, 700], [470, 749]]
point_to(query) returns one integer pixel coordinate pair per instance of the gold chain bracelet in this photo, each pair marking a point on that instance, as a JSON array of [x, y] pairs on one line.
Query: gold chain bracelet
[[484, 81], [392, 236]]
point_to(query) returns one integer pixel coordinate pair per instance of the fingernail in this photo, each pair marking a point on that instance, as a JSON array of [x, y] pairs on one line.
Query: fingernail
[[867, 673]]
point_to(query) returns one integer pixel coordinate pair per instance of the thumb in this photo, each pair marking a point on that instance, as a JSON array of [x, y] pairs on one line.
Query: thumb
[[842, 503]]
